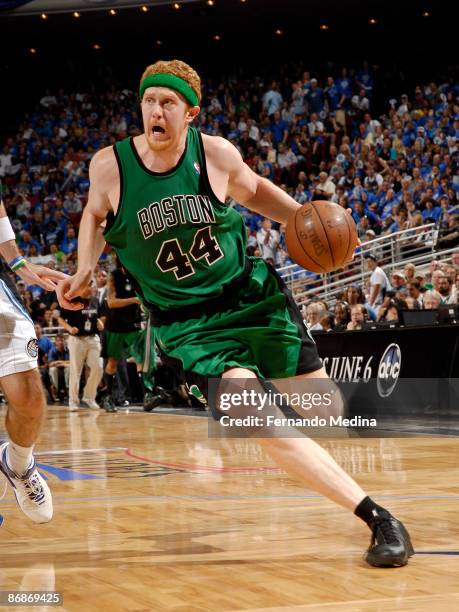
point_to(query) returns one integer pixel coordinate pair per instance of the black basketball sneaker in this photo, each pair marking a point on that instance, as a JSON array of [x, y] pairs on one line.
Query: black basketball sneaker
[[390, 542]]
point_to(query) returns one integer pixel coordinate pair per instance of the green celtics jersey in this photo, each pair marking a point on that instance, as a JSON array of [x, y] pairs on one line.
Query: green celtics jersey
[[171, 233]]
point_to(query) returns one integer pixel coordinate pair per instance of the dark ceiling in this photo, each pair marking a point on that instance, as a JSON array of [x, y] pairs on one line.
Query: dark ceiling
[[247, 40]]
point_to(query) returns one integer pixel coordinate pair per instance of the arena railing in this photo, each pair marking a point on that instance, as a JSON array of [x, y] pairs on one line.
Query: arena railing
[[393, 251]]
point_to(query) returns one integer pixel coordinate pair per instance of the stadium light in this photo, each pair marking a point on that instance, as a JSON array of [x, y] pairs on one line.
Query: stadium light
[[324, 27], [76, 14], [44, 16], [112, 12]]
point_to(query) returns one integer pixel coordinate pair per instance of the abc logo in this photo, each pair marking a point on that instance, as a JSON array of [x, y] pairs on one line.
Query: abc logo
[[389, 370]]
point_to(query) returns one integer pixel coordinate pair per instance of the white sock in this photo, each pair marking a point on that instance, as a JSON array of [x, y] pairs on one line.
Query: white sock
[[18, 457]]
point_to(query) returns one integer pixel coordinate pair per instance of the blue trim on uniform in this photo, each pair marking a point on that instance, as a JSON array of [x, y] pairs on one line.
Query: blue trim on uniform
[[14, 301]]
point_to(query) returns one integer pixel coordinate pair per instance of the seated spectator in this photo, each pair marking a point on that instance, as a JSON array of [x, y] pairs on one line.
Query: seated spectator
[[50, 319], [355, 295], [70, 243], [27, 242], [431, 211], [342, 316], [58, 255], [455, 260], [398, 281], [449, 237], [324, 189], [268, 241], [72, 204], [446, 290], [59, 364], [431, 299], [363, 226], [327, 322], [413, 289], [409, 271], [388, 311], [359, 317], [44, 343], [435, 279], [314, 312]]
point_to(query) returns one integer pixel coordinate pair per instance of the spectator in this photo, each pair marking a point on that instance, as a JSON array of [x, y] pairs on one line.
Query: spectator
[[359, 317], [268, 241], [414, 293], [44, 343], [27, 243], [379, 283], [84, 349], [445, 289], [327, 322], [72, 204], [272, 100], [398, 281], [342, 316], [388, 312], [410, 272], [314, 313], [431, 299], [70, 243], [58, 360], [324, 189]]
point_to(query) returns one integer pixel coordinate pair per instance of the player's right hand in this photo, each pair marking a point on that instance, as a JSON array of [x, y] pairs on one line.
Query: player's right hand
[[70, 289]]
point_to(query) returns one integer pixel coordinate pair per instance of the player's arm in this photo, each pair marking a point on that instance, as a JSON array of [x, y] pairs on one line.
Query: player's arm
[[104, 175], [246, 187], [32, 274], [115, 302]]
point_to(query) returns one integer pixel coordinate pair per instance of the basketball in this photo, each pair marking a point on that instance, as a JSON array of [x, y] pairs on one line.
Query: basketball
[[321, 236]]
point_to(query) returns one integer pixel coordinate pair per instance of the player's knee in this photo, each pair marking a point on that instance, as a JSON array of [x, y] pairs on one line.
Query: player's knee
[[241, 373], [28, 397]]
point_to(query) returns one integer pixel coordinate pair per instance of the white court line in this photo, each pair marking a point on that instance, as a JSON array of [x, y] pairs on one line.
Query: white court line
[[80, 451]]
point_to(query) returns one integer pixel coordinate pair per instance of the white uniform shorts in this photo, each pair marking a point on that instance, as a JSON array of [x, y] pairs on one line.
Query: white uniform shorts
[[18, 343]]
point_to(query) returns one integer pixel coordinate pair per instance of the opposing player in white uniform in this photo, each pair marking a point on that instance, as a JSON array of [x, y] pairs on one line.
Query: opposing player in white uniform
[[20, 380]]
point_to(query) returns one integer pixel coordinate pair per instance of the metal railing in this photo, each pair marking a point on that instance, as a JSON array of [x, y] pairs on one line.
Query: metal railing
[[415, 245]]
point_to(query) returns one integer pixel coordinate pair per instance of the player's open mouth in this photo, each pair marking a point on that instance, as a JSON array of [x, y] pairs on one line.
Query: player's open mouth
[[157, 129]]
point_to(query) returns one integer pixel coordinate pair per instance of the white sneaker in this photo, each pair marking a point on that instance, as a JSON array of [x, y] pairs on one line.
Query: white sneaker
[[90, 403], [32, 493], [74, 406]]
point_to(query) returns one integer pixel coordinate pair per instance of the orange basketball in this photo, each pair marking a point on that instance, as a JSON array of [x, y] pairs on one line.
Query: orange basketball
[[321, 236]]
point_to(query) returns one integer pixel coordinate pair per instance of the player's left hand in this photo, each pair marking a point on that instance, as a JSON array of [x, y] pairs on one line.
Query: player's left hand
[[46, 278]]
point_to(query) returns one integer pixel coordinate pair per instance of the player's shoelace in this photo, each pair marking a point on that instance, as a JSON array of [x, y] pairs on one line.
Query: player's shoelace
[[386, 529], [34, 489]]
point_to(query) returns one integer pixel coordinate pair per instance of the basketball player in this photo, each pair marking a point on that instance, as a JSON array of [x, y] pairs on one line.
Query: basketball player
[[20, 379], [162, 195]]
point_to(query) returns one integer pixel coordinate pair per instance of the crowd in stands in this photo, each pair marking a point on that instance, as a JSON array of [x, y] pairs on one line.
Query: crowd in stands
[[381, 300], [315, 135]]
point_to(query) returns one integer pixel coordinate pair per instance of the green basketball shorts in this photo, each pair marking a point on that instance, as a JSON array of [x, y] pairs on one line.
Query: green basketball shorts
[[124, 344], [256, 326]]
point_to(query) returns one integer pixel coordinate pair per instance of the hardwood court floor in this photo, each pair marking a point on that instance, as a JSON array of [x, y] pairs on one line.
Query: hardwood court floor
[[152, 515]]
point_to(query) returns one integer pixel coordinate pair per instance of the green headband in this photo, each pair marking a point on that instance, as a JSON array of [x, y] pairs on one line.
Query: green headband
[[171, 81]]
